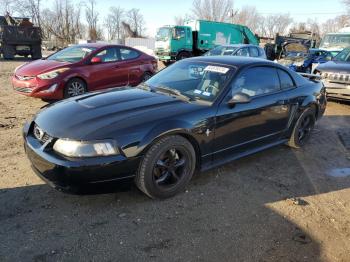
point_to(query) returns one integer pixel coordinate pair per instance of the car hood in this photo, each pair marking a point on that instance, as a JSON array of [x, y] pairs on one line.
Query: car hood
[[39, 66], [115, 111], [335, 66]]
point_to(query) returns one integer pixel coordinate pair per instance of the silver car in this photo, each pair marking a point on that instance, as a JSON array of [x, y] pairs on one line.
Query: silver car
[[238, 50]]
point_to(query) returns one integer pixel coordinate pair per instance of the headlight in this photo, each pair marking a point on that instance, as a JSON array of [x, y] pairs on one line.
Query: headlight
[[73, 148], [52, 74]]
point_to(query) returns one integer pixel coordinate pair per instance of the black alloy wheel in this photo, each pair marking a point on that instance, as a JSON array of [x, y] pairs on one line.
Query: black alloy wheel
[[303, 128], [167, 167]]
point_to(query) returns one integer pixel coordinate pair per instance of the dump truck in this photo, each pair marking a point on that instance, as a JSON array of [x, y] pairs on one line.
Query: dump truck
[[18, 36], [197, 37]]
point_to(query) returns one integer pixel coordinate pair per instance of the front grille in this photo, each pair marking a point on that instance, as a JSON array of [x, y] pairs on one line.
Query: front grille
[[336, 77], [24, 78], [23, 89], [41, 135]]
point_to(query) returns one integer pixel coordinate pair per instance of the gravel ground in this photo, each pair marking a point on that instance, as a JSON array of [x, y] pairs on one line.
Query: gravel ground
[[277, 205]]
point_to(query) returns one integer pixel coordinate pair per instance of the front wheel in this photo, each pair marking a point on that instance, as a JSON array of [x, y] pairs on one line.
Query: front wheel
[[183, 55], [167, 167], [302, 129], [75, 87]]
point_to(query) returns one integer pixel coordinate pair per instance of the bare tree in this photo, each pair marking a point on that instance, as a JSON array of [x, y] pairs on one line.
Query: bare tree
[[8, 6], [213, 10], [30, 8], [62, 22], [180, 20], [113, 23], [91, 17], [277, 24], [136, 21], [249, 17], [333, 25]]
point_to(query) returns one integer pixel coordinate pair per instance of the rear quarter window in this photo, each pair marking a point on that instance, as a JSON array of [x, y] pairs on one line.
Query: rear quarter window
[[127, 54], [285, 79]]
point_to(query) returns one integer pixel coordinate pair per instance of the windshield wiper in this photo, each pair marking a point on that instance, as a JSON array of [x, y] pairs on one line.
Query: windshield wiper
[[174, 92]]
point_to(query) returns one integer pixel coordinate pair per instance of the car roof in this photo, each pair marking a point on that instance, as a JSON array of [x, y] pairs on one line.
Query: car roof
[[238, 45], [98, 45], [237, 61]]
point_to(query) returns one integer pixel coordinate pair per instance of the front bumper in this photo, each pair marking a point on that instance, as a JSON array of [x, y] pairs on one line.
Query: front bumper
[[70, 174], [337, 90], [38, 88]]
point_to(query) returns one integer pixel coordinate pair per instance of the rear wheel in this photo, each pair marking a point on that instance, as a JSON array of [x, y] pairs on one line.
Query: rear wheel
[[9, 51], [302, 129], [75, 87], [36, 51], [146, 76], [166, 168]]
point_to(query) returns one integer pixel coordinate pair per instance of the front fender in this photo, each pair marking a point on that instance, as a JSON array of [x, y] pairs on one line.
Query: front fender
[[162, 129]]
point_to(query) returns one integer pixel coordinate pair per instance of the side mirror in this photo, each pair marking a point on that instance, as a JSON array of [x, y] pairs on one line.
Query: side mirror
[[239, 98], [96, 60]]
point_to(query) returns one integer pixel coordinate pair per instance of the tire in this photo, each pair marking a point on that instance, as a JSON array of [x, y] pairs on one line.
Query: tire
[[303, 128], [9, 51], [169, 155], [183, 55], [36, 52], [75, 87], [146, 76]]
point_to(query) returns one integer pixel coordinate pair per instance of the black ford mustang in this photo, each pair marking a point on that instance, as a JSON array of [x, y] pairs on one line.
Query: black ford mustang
[[194, 115]]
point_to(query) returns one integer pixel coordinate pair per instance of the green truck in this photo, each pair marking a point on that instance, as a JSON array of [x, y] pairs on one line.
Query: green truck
[[198, 36]]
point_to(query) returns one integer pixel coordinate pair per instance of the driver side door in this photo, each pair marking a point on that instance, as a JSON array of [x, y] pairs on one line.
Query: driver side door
[[259, 121]]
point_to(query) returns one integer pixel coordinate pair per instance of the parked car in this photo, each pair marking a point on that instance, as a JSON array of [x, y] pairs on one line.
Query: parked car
[[81, 68], [310, 60], [238, 50], [336, 75], [194, 115]]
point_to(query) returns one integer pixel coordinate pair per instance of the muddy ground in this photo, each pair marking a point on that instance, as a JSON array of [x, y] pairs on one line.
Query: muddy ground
[[277, 205]]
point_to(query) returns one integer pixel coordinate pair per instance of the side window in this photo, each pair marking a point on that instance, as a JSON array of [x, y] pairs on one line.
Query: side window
[[179, 33], [242, 52], [253, 52], [286, 80], [108, 55], [126, 54], [257, 81]]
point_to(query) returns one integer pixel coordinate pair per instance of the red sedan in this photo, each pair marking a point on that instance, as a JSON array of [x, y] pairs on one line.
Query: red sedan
[[82, 68]]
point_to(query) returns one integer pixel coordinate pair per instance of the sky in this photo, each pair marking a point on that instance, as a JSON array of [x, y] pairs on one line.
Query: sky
[[162, 12]]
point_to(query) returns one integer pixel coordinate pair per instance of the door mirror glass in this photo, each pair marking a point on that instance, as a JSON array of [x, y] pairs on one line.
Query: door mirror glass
[[239, 98], [96, 60]]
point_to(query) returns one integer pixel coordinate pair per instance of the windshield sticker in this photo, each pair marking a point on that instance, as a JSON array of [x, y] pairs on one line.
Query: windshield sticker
[[206, 94], [196, 71], [217, 69], [196, 91]]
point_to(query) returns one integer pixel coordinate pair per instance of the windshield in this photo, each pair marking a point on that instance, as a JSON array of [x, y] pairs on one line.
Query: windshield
[[195, 80], [221, 50], [163, 34], [343, 56], [338, 41], [72, 54]]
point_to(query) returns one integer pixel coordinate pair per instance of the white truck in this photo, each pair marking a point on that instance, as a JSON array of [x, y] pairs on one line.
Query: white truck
[[336, 42]]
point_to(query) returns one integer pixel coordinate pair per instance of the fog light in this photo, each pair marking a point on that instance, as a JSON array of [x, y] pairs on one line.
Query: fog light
[[51, 89]]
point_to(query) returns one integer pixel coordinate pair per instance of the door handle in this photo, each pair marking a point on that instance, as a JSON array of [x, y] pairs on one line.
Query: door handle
[[116, 66]]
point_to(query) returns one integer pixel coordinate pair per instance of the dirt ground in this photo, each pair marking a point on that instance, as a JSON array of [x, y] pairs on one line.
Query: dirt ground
[[277, 205]]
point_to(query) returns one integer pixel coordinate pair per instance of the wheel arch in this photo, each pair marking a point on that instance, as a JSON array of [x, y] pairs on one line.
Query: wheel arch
[[76, 76], [160, 132]]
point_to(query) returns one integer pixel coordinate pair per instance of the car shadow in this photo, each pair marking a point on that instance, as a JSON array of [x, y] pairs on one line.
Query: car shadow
[[238, 212]]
